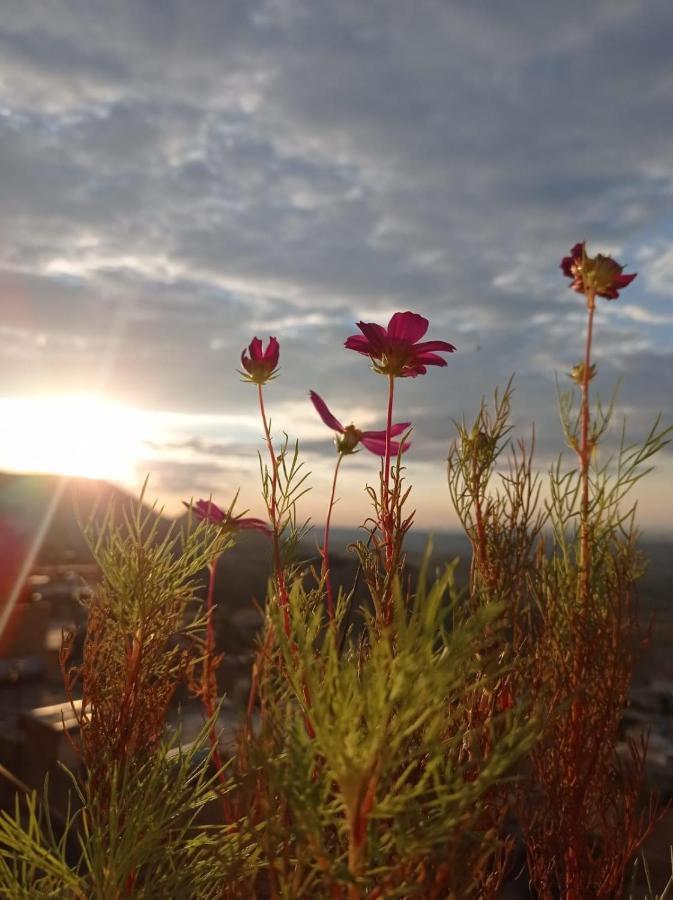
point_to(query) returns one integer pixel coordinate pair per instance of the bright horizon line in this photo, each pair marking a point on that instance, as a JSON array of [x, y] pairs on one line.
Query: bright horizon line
[[650, 533]]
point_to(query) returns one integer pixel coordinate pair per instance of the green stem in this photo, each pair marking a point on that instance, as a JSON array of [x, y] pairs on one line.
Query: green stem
[[209, 684], [385, 499], [325, 545], [273, 515]]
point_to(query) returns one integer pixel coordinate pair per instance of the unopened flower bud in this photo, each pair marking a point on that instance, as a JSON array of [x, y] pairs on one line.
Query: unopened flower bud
[[347, 441], [479, 444], [260, 365], [577, 373]]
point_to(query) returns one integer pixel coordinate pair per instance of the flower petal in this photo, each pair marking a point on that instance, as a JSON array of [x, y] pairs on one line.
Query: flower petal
[[429, 359], [435, 345], [255, 349], [568, 262], [272, 353], [378, 447], [357, 342], [251, 524], [400, 428], [414, 369], [323, 411], [397, 429], [407, 326], [375, 334], [207, 510]]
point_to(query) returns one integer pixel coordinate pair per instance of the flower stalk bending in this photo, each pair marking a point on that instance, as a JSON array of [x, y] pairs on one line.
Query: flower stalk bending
[[347, 441], [325, 571]]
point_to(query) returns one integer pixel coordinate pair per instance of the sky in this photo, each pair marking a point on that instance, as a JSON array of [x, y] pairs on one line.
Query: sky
[[176, 177]]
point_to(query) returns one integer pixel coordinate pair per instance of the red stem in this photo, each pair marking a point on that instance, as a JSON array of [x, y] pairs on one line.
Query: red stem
[[482, 559], [585, 454], [572, 875], [273, 516], [385, 499], [325, 545]]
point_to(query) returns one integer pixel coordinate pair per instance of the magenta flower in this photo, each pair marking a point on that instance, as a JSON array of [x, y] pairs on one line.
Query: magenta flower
[[210, 512], [374, 441], [601, 275], [260, 366], [395, 350]]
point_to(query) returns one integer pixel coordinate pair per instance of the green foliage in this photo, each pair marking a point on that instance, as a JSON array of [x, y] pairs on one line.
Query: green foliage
[[282, 493], [385, 759], [377, 770], [135, 653], [152, 842]]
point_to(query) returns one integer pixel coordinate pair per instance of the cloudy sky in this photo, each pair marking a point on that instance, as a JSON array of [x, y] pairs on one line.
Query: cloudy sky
[[177, 176]]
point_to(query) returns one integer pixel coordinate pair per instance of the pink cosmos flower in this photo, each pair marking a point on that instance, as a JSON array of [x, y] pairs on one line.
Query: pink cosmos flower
[[210, 512], [600, 274], [259, 365], [374, 441], [395, 350]]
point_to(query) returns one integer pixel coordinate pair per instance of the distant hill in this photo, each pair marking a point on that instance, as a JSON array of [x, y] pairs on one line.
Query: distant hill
[[29, 502]]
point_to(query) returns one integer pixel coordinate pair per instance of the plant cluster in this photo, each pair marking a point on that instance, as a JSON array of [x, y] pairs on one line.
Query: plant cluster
[[404, 749]]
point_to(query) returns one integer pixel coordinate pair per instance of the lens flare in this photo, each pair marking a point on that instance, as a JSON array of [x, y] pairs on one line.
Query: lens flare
[[85, 435]]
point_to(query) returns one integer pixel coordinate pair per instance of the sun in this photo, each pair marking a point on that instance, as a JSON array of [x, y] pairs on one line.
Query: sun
[[82, 434]]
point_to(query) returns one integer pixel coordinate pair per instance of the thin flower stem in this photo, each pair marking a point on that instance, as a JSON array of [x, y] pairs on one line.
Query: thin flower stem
[[585, 454], [209, 684], [385, 499], [482, 567], [572, 876], [273, 515], [283, 598], [325, 545]]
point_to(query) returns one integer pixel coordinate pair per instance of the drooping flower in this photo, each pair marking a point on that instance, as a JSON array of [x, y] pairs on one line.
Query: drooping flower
[[396, 350], [210, 512], [349, 437], [260, 365], [600, 274]]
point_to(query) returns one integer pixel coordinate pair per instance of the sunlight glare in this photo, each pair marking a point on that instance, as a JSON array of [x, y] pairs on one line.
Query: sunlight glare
[[85, 435]]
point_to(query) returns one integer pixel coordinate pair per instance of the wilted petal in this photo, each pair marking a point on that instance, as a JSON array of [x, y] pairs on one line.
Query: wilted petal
[[323, 411], [594, 276]]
